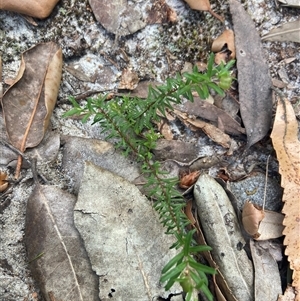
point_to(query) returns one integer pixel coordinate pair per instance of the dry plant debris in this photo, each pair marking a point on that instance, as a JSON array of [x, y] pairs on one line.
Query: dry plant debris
[[27, 108], [286, 32], [255, 94], [203, 5], [35, 8], [287, 146], [3, 181]]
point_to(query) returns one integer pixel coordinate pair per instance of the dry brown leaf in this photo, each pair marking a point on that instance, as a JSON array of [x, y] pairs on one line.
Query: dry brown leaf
[[251, 217], [261, 224], [203, 5], [3, 181], [287, 146], [36, 8], [210, 130], [165, 130], [210, 112], [227, 37], [29, 102], [189, 179]]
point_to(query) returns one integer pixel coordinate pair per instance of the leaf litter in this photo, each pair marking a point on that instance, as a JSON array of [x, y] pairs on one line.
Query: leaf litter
[[215, 121]]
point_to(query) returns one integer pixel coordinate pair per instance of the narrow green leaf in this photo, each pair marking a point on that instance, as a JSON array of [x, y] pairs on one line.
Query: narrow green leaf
[[172, 262]]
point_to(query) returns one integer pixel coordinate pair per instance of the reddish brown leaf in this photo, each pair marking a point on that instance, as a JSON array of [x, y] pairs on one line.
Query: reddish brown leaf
[[189, 179]]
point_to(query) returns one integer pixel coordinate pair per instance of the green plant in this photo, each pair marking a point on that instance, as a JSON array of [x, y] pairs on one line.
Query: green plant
[[130, 120]]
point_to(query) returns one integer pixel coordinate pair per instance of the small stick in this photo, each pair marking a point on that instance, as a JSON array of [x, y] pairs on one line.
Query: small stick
[[266, 183]]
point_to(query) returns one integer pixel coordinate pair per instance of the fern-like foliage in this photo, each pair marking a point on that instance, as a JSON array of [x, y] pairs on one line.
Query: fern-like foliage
[[130, 120]]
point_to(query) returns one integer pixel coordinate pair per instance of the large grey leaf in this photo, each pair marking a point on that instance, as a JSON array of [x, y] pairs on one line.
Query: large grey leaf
[[285, 32], [58, 260], [123, 237], [255, 84]]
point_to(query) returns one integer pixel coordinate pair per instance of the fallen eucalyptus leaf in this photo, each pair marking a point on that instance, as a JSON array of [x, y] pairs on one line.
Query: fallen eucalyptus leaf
[[210, 112], [285, 141], [123, 237], [36, 8], [255, 84], [222, 232], [29, 102], [285, 32], [220, 285], [57, 258], [267, 277]]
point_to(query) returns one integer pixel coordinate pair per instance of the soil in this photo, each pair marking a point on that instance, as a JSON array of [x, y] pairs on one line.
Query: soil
[[156, 52]]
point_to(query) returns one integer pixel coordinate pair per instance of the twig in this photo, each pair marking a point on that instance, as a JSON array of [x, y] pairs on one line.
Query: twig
[[266, 183]]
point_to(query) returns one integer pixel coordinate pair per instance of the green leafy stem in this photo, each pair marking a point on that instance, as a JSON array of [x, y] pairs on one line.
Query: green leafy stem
[[130, 120]]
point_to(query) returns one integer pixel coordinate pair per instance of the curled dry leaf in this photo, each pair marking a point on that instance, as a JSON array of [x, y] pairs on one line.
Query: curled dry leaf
[[260, 224], [189, 179], [285, 140], [29, 102], [227, 37], [36, 8], [251, 217], [3, 181]]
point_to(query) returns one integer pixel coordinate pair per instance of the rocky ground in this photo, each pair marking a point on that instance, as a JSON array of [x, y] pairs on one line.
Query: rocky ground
[[93, 61]]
